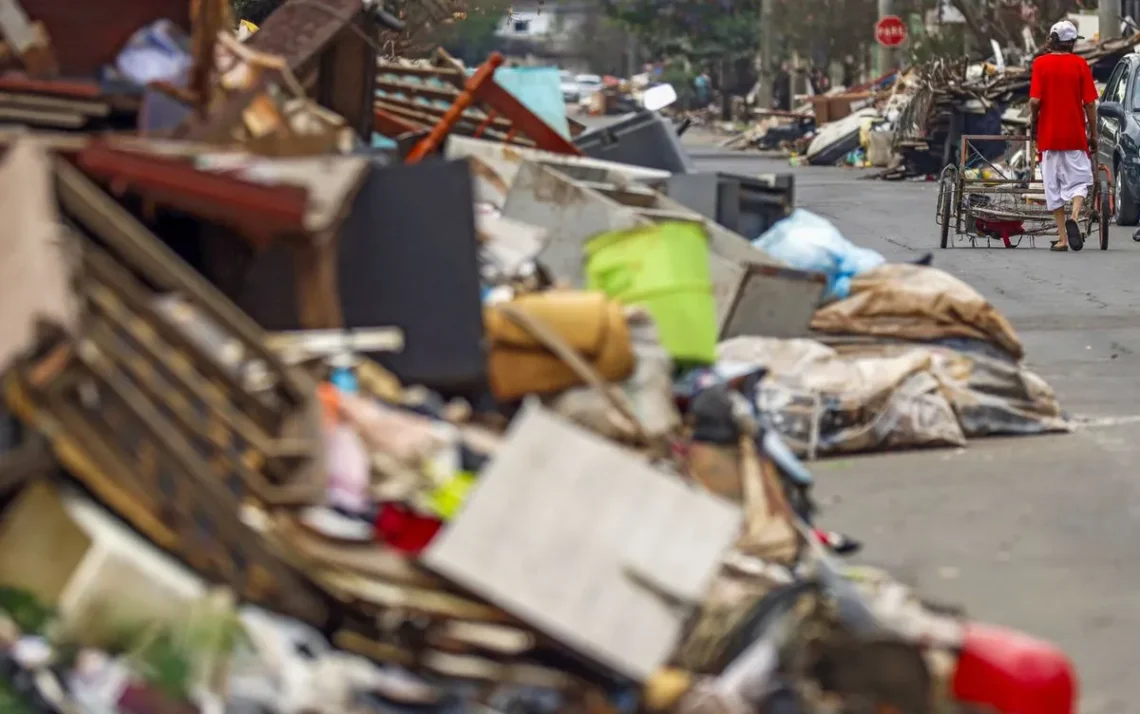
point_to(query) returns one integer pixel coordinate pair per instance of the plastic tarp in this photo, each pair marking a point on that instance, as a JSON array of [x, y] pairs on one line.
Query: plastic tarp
[[991, 394], [914, 302], [806, 241], [540, 90], [861, 397], [823, 404]]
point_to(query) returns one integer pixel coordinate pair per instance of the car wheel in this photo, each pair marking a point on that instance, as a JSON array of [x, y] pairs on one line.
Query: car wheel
[[1127, 212]]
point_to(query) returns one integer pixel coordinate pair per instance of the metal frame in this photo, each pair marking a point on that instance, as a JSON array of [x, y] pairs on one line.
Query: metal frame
[[957, 208]]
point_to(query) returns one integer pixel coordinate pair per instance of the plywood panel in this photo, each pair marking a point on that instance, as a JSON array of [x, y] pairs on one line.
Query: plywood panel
[[588, 543]]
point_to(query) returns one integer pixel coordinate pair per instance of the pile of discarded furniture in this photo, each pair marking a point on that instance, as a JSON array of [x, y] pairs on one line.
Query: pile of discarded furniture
[[297, 424]]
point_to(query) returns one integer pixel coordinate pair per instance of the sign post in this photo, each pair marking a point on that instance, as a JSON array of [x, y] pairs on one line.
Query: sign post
[[890, 32]]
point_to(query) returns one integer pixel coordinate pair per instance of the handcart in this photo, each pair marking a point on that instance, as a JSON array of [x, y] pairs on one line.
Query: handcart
[[983, 200]]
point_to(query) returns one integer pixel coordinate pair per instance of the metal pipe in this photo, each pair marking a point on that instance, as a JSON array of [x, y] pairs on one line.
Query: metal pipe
[[887, 55]]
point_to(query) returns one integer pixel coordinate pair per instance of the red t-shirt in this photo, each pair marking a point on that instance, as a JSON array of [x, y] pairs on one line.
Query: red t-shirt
[[1064, 84]]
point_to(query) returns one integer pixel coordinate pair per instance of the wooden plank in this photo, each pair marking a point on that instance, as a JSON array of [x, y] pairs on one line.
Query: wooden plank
[[587, 543]]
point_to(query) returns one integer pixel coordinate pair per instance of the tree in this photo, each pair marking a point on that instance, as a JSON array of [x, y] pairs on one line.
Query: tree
[[472, 38], [694, 29], [254, 10]]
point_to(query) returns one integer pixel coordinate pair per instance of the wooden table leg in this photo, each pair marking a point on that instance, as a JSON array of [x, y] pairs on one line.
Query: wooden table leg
[[318, 296]]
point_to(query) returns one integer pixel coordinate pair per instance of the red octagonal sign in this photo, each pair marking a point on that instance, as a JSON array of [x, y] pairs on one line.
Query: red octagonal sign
[[890, 31]]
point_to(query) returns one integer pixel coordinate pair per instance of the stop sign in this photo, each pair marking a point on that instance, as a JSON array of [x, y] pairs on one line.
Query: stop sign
[[890, 31]]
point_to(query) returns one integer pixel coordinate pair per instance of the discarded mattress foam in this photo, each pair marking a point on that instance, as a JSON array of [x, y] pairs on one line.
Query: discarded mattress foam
[[838, 138]]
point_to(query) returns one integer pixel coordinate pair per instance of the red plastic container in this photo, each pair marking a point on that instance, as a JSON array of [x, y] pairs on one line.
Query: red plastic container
[[1014, 673]]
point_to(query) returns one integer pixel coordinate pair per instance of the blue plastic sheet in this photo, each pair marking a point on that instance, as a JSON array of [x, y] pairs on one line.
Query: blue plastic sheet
[[806, 241], [539, 89]]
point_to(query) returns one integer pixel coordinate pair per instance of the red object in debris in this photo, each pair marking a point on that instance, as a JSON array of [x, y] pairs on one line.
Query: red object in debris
[[404, 529], [1004, 229], [1014, 673], [890, 31]]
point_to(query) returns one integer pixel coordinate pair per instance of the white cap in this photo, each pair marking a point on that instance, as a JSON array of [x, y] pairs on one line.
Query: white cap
[[1065, 31]]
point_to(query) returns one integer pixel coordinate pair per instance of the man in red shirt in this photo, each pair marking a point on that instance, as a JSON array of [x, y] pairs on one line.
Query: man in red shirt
[[1062, 101]]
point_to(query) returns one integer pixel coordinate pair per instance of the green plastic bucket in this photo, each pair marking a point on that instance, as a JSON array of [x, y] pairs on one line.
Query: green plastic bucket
[[664, 268]]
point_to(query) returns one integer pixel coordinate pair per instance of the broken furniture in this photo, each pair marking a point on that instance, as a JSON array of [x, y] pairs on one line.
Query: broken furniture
[[745, 205], [442, 99], [494, 166], [252, 205], [532, 541], [643, 138], [575, 210], [88, 35], [68, 104], [326, 46], [67, 551], [165, 403]]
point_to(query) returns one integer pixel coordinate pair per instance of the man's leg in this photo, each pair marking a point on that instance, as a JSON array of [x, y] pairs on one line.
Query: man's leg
[[1078, 203], [1076, 177], [1053, 199], [1062, 234]]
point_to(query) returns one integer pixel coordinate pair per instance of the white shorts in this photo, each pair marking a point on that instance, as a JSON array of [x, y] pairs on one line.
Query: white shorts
[[1067, 174]]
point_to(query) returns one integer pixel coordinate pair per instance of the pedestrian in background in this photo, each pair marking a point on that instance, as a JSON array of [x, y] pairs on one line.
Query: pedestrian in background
[[849, 79], [701, 86], [1062, 103], [782, 89]]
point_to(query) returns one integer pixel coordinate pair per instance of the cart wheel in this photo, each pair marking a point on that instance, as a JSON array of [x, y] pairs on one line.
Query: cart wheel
[[947, 194], [1105, 215]]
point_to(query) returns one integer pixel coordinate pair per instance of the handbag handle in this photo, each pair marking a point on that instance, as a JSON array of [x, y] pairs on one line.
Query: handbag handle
[[554, 342]]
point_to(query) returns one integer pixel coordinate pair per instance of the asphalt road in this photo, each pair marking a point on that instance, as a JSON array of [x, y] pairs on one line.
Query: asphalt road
[[1038, 533]]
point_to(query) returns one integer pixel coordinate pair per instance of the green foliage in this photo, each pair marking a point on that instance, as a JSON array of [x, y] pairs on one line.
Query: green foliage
[[29, 614], [472, 38], [10, 702], [696, 29], [254, 10]]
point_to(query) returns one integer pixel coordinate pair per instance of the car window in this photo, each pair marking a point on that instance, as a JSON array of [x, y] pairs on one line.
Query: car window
[[1135, 92], [1114, 83], [1121, 87]]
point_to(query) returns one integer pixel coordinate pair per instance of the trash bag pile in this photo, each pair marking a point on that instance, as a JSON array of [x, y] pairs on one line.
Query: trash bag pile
[[469, 421]]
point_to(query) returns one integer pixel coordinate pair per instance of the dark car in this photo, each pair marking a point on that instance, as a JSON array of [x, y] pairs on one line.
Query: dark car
[[1119, 129]]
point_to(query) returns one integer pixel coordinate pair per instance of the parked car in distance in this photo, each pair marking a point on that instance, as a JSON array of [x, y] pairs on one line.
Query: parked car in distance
[[570, 89], [1119, 131], [588, 86]]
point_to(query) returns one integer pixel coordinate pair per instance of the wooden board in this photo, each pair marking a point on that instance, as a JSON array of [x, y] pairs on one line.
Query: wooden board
[[584, 541]]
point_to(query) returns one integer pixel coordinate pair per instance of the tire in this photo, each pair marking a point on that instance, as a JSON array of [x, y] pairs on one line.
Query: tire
[[1104, 218], [1127, 210]]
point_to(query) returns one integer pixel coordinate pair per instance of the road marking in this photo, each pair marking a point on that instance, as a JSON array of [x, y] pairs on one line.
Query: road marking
[[1104, 422]]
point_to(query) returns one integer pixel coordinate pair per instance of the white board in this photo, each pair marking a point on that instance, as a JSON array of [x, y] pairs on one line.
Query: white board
[[564, 530]]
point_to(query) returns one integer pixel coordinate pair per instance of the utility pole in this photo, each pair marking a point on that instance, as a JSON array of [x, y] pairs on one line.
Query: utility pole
[[1109, 19], [766, 69], [886, 54]]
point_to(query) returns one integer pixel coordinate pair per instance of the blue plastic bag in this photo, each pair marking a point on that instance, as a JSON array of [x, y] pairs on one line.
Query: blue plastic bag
[[806, 241]]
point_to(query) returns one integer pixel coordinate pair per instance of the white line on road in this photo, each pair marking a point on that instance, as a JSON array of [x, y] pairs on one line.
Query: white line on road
[[1104, 422]]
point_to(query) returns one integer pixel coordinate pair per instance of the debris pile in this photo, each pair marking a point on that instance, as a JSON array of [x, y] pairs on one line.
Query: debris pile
[[911, 123], [476, 420]]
